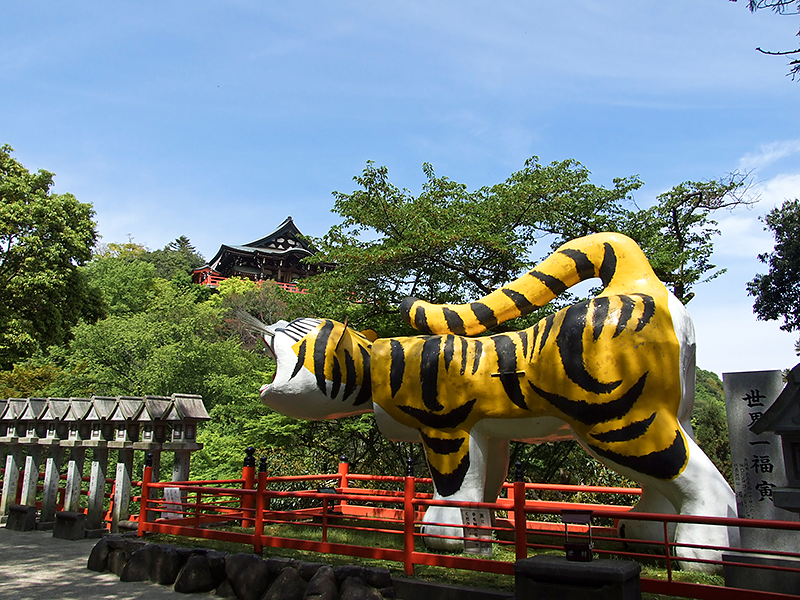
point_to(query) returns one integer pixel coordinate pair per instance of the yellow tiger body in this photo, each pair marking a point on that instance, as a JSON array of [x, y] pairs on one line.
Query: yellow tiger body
[[617, 371]]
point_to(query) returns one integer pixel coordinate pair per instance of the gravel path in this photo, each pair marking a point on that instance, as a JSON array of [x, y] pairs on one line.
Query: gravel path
[[36, 566]]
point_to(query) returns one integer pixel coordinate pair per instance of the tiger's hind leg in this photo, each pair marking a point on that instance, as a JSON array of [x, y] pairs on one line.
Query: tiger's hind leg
[[481, 481], [698, 489]]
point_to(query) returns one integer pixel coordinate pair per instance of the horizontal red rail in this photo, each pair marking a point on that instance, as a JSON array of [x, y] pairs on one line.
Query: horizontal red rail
[[366, 510]]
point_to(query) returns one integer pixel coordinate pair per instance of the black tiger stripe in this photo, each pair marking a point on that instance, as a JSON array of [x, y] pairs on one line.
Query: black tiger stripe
[[429, 372], [535, 339], [593, 414], [554, 284], [421, 320], [523, 338], [476, 361], [320, 351], [484, 314], [464, 347], [397, 366], [454, 321], [599, 315], [507, 365], [570, 346], [442, 445], [449, 350], [625, 314], [301, 358], [336, 382], [448, 484], [609, 267], [350, 375], [583, 265], [627, 433], [520, 301], [365, 393], [448, 420], [662, 464], [648, 311], [548, 325]]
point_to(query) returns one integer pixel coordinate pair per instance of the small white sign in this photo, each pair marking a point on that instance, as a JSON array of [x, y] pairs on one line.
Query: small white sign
[[472, 519], [172, 496]]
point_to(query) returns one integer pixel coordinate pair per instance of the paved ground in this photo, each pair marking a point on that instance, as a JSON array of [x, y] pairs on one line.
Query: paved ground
[[36, 566]]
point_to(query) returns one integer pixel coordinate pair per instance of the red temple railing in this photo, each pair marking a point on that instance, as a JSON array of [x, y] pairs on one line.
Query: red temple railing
[[264, 513]]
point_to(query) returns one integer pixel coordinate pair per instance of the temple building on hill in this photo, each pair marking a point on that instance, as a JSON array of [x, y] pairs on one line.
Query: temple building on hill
[[275, 257]]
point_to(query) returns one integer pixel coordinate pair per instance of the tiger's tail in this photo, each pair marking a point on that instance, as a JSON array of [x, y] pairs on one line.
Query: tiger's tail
[[616, 259]]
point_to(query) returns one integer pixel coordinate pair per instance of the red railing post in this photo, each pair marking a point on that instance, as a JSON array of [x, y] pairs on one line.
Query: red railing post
[[520, 529], [147, 477], [667, 552], [258, 532], [249, 477], [408, 520], [324, 520], [344, 469]]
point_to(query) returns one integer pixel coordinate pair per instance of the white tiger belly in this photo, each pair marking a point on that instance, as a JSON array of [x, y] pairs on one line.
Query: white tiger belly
[[533, 431]]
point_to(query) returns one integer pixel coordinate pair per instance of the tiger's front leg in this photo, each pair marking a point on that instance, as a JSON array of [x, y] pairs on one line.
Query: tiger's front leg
[[480, 479]]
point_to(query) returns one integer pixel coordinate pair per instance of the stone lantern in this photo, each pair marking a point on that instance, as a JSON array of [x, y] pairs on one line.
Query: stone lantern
[[35, 428], [100, 417], [153, 419], [187, 411], [53, 418], [126, 419], [10, 419], [783, 418], [77, 417]]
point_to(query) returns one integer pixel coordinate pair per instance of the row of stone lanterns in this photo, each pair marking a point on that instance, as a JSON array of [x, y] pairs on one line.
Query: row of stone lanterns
[[53, 426]]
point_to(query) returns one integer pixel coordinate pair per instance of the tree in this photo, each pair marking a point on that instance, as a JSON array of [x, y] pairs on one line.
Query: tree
[[178, 258], [44, 238], [777, 293], [451, 245], [782, 7]]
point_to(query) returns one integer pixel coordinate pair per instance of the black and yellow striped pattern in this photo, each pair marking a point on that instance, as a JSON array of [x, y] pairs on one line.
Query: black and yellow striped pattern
[[609, 367]]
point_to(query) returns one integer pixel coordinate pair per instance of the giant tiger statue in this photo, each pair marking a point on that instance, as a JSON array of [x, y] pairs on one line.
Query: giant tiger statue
[[616, 372]]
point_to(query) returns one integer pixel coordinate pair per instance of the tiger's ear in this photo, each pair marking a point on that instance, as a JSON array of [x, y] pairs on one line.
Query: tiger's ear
[[370, 334]]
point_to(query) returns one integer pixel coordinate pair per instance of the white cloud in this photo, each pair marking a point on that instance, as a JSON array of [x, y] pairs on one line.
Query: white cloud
[[768, 154], [778, 189]]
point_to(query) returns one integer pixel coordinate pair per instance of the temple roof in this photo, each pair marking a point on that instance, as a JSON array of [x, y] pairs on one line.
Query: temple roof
[[285, 241]]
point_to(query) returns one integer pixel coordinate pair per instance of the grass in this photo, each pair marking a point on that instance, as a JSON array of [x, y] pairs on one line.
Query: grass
[[434, 574]]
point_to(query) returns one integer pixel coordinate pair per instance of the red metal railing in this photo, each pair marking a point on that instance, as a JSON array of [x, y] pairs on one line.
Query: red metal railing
[[396, 514], [212, 279]]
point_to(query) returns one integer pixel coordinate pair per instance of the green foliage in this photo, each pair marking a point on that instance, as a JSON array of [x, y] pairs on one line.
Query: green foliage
[[126, 284], [450, 245], [177, 259], [30, 379], [44, 237], [710, 422], [676, 233], [777, 293]]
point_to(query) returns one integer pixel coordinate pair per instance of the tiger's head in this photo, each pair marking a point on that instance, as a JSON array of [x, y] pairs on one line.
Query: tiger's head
[[322, 369]]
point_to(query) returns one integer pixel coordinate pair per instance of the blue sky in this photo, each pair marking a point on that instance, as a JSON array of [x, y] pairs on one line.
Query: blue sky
[[216, 120]]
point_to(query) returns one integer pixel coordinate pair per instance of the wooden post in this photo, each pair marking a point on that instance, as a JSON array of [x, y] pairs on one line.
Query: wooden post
[[408, 520], [122, 488], [30, 481], [97, 488], [52, 479], [11, 478], [520, 529], [249, 477], [147, 476], [72, 488]]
